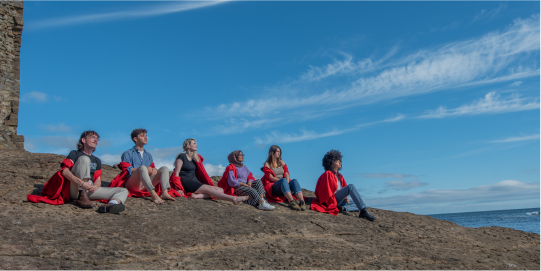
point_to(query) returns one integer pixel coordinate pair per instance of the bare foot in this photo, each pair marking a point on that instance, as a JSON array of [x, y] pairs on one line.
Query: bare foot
[[166, 196], [197, 196], [156, 199], [239, 199]]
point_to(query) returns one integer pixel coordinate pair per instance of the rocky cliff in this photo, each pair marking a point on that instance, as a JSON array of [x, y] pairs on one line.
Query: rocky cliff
[[210, 234]]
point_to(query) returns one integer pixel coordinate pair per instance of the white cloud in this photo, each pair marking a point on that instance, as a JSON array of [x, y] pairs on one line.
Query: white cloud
[[51, 144], [403, 185], [483, 14], [122, 15], [213, 170], [490, 104], [34, 96], [495, 57], [110, 159], [516, 138], [60, 128], [516, 83], [501, 191]]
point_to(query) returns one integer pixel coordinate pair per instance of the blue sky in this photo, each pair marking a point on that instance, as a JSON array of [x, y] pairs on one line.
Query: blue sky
[[434, 105]]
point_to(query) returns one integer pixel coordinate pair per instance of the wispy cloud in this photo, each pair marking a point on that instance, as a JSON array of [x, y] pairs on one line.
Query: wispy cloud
[[484, 14], [387, 175], [516, 138], [516, 83], [508, 190], [52, 128], [121, 15], [34, 96], [495, 57], [490, 104], [304, 135], [51, 144]]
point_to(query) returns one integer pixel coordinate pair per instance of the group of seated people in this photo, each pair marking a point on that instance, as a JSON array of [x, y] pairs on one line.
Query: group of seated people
[[79, 179]]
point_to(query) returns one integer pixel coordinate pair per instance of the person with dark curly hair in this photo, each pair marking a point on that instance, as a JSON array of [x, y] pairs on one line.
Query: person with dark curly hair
[[330, 194]]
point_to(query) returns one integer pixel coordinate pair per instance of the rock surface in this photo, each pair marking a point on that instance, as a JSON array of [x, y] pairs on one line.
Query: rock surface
[[211, 234]]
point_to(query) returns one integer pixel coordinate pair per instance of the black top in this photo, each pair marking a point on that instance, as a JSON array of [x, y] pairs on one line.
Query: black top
[[187, 171], [95, 162]]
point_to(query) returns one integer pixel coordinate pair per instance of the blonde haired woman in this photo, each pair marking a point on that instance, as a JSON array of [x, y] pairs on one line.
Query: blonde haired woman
[[191, 179]]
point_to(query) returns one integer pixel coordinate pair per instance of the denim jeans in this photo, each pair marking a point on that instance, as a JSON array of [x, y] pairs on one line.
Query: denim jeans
[[349, 190], [280, 187]]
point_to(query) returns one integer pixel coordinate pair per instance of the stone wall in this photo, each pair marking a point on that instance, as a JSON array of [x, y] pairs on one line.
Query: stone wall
[[11, 29]]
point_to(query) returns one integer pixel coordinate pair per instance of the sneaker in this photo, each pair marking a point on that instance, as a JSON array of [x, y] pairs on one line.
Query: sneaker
[[293, 205], [111, 208], [342, 209], [265, 206], [365, 214], [302, 205]]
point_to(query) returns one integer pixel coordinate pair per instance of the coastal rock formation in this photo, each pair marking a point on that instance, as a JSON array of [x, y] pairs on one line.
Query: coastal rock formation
[[11, 29], [212, 234]]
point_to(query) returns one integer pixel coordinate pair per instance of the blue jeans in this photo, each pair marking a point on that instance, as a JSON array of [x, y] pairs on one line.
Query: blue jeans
[[349, 190], [280, 187]]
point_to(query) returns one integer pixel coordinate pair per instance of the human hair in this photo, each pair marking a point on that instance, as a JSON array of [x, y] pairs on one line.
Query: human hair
[[80, 145], [329, 158], [271, 160], [137, 132], [185, 145]]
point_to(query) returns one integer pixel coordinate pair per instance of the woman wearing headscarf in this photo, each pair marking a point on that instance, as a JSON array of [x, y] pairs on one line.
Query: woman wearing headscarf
[[191, 179], [333, 191], [238, 180]]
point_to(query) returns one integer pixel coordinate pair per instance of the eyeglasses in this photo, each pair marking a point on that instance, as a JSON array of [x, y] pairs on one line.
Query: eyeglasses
[[94, 137], [241, 155]]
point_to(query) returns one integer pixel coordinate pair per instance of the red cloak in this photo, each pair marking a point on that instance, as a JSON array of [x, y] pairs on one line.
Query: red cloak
[[56, 190], [267, 184], [122, 178], [326, 186], [200, 174], [223, 182]]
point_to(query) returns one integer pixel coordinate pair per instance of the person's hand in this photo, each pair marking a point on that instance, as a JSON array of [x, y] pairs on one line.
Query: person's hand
[[93, 188], [347, 200], [152, 171], [249, 184], [242, 184], [181, 193]]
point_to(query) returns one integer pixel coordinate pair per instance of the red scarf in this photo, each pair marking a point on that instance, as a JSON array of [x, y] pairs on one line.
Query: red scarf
[[57, 189], [326, 186], [267, 184], [223, 182], [200, 174], [122, 178]]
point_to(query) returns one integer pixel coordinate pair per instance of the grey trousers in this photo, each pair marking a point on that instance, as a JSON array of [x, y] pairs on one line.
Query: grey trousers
[[81, 169], [141, 177]]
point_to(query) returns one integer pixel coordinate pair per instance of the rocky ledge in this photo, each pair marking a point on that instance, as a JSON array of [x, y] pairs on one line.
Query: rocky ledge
[[210, 234]]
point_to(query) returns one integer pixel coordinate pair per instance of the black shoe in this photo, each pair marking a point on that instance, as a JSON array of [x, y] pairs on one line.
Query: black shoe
[[111, 208], [341, 209], [365, 214]]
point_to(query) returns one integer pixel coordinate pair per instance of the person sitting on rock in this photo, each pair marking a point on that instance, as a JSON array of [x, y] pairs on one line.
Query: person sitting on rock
[[277, 182], [330, 193], [238, 180], [139, 175], [80, 179], [190, 178]]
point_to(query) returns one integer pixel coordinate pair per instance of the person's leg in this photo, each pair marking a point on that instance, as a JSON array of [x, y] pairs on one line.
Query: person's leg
[[219, 194], [81, 169], [116, 196], [297, 191], [141, 177], [162, 177], [253, 196], [351, 191], [281, 188], [258, 186]]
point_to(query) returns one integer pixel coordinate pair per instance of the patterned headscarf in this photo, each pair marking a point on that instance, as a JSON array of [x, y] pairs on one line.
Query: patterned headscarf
[[232, 158]]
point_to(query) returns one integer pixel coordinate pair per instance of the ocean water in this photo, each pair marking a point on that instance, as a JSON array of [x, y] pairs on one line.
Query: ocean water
[[519, 219]]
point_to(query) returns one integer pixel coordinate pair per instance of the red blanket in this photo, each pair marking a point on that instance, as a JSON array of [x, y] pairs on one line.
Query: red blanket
[[223, 182], [200, 174], [57, 189], [121, 179], [326, 186], [267, 184]]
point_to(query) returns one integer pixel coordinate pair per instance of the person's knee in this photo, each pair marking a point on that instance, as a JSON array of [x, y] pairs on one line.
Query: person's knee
[[84, 160], [143, 169], [163, 170]]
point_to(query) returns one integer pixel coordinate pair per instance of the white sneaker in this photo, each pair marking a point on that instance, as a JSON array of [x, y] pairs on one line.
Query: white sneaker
[[265, 206]]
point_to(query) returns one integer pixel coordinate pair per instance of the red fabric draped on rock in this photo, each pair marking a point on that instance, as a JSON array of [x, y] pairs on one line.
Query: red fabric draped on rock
[[223, 182], [326, 186], [57, 189], [121, 179], [267, 184], [200, 174]]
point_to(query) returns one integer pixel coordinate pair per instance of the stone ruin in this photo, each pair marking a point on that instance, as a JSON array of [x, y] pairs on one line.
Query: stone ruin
[[11, 29]]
